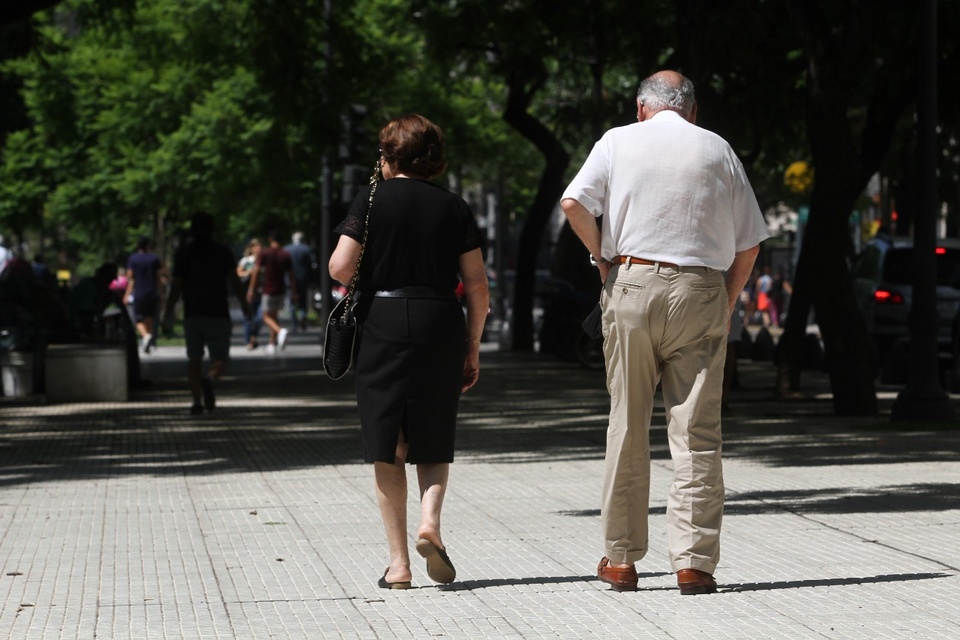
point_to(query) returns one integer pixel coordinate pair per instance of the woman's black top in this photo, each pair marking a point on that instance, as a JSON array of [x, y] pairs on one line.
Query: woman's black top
[[418, 232]]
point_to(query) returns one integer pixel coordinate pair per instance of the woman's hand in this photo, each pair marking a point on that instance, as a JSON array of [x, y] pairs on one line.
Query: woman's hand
[[471, 366], [473, 273]]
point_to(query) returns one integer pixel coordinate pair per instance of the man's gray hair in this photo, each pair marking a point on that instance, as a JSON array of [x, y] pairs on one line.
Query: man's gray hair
[[297, 237], [658, 93]]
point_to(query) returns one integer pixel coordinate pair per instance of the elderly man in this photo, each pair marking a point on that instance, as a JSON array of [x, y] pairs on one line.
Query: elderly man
[[680, 231]]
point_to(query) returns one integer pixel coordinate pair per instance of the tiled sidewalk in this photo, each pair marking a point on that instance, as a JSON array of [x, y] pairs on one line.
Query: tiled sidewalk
[[136, 520]]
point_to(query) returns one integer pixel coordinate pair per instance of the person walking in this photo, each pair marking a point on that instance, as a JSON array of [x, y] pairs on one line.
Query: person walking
[[5, 254], [764, 291], [251, 325], [273, 272], [416, 352], [204, 271], [144, 283], [302, 258], [677, 212]]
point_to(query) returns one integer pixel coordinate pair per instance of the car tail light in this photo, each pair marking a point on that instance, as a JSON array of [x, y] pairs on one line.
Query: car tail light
[[882, 296]]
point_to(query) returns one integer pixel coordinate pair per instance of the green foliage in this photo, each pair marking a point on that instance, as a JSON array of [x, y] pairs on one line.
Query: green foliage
[[134, 114], [140, 113]]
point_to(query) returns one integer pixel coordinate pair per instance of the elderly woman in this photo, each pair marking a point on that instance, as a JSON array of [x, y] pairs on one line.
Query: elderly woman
[[416, 354]]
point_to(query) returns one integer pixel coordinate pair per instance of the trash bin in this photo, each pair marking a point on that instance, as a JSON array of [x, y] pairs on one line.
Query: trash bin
[[16, 369]]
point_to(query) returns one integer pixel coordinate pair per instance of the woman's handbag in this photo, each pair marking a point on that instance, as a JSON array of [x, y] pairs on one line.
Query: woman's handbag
[[340, 336], [340, 339]]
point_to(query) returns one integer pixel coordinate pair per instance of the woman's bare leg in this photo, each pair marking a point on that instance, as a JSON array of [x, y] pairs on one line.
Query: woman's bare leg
[[391, 480], [433, 485]]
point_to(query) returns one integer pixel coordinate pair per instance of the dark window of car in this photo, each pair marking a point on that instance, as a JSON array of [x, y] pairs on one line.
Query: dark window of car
[[898, 266], [867, 265]]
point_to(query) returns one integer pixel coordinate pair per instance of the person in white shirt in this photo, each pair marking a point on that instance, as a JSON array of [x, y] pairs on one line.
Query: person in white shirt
[[680, 232], [5, 255]]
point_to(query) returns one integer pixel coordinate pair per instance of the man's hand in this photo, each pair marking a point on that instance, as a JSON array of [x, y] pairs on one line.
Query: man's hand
[[604, 269]]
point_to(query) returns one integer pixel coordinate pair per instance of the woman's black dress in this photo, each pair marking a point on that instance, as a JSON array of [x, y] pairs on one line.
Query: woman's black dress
[[409, 364]]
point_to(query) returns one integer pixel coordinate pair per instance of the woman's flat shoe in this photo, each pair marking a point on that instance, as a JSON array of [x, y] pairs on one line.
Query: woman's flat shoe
[[383, 584], [439, 567]]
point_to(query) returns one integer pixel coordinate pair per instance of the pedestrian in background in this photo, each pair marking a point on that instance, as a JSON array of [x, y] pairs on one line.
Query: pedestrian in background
[[301, 256], [144, 284], [251, 325], [204, 272], [5, 254], [780, 294], [677, 212], [416, 352], [273, 274], [765, 307]]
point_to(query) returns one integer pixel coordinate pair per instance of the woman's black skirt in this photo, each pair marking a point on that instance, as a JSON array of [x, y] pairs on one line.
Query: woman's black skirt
[[409, 370]]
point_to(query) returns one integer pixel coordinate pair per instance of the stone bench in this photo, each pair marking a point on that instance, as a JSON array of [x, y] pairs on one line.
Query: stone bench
[[88, 372]]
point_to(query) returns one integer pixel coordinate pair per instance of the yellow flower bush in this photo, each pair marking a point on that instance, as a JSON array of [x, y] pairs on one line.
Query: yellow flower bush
[[798, 177]]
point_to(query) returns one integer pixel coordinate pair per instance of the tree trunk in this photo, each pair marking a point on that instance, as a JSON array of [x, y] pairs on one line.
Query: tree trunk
[[550, 189], [847, 346], [847, 147], [790, 347]]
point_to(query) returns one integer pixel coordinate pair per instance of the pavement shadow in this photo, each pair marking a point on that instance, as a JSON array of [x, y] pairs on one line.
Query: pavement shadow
[[471, 585], [829, 582], [886, 499], [796, 440], [275, 415], [285, 418]]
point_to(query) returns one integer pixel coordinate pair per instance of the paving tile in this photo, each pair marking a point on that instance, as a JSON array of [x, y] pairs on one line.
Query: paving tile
[[259, 520]]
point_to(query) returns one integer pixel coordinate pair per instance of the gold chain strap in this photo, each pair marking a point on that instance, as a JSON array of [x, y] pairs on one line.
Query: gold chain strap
[[374, 181]]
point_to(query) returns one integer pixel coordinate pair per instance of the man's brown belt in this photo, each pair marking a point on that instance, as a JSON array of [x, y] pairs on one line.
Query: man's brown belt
[[632, 260]]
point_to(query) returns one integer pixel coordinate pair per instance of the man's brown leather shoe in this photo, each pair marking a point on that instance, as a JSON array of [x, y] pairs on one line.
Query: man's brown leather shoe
[[619, 578], [694, 581]]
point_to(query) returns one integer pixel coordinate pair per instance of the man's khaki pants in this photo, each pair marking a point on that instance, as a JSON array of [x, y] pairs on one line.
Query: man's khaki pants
[[665, 325]]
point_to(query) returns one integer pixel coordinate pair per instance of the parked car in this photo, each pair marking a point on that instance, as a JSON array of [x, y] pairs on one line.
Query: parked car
[[883, 285]]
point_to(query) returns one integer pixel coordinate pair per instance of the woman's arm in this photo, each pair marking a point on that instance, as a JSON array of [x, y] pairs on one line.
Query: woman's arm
[[343, 262], [129, 291], [473, 272], [254, 280]]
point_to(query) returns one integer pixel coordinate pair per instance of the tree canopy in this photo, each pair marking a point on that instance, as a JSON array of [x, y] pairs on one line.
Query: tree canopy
[[123, 117], [138, 116]]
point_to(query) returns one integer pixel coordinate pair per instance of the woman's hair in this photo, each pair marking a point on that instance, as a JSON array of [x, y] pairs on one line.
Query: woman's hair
[[250, 245], [414, 145]]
